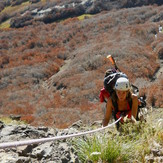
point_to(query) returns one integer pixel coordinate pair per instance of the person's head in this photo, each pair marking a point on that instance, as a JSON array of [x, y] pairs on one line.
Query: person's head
[[122, 88]]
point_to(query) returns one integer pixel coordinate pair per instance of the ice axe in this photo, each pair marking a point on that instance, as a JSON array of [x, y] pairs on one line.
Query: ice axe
[[111, 59]]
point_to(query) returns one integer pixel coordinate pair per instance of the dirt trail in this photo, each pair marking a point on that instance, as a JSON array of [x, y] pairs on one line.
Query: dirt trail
[[159, 72], [49, 82]]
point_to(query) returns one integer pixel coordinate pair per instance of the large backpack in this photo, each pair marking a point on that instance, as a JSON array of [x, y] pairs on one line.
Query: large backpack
[[110, 79]]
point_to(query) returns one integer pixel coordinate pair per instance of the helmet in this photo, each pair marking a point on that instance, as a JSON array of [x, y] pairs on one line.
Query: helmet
[[122, 84]]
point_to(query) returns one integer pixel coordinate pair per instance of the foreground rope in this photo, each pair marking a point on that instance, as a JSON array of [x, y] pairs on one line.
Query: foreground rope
[[43, 140]]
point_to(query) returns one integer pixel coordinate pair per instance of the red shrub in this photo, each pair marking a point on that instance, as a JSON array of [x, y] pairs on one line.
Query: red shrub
[[28, 118]]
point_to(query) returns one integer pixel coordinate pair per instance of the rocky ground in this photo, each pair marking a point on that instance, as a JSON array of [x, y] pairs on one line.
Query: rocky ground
[[60, 151]]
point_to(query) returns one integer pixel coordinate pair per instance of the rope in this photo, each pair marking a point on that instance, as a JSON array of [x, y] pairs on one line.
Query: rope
[[43, 140]]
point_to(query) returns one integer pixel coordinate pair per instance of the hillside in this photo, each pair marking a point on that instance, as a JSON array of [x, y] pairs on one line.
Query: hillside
[[52, 66]]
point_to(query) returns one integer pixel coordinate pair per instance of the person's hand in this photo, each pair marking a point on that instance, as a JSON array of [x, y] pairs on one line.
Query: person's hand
[[132, 119], [126, 119]]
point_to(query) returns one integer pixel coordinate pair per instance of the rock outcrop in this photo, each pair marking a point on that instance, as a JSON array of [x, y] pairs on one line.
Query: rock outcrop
[[58, 151]]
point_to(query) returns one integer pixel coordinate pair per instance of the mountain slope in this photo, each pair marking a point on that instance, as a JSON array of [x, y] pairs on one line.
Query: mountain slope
[[51, 74]]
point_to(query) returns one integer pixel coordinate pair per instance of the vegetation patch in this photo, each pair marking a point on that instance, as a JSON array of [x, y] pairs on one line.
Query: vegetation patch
[[11, 9], [84, 16], [133, 143], [5, 24], [31, 59], [8, 121]]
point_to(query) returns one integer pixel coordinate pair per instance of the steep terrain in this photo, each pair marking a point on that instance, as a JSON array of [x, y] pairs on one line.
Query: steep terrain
[[51, 72], [62, 151]]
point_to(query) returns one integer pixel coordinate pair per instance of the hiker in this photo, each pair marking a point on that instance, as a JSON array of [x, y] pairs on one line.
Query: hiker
[[122, 102], [160, 28]]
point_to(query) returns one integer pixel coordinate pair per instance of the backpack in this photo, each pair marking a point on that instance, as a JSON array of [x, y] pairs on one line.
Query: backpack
[[110, 78]]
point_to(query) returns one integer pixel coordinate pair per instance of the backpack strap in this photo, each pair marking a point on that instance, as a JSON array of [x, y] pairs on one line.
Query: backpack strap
[[130, 103]]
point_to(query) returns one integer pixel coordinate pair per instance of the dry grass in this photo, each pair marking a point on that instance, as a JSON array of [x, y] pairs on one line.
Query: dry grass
[[84, 16], [17, 8], [132, 144], [5, 25]]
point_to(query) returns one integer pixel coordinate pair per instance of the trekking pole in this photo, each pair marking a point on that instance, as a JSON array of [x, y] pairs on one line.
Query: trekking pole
[[111, 59]]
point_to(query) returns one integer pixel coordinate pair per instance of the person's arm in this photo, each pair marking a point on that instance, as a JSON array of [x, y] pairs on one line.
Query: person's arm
[[134, 106], [108, 113]]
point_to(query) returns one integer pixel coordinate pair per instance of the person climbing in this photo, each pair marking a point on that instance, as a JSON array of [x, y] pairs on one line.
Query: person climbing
[[121, 103]]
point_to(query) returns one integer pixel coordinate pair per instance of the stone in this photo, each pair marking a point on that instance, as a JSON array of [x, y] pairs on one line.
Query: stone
[[45, 129], [15, 117], [23, 160], [1, 125], [155, 152], [43, 150], [77, 124], [26, 150], [8, 157]]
